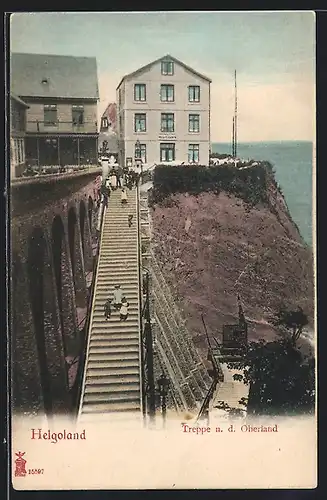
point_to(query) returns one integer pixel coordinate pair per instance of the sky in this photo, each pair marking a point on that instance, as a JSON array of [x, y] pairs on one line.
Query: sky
[[272, 52]]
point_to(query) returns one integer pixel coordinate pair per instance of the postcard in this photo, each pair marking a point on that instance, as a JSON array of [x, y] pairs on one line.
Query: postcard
[[162, 266]]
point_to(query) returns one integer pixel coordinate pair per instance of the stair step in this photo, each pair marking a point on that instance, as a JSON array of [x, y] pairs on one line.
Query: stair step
[[108, 357], [112, 371], [128, 280], [98, 329], [112, 407], [132, 321], [98, 310], [107, 389], [96, 399], [125, 268], [113, 337], [113, 380], [114, 350]]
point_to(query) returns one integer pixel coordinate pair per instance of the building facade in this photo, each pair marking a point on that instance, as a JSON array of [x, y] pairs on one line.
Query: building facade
[[17, 135], [163, 112], [61, 120], [108, 143]]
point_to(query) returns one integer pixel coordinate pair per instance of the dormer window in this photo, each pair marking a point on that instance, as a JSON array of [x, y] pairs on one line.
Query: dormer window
[[167, 67], [104, 122]]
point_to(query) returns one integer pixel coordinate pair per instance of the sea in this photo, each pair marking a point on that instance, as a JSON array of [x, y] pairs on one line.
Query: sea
[[293, 164]]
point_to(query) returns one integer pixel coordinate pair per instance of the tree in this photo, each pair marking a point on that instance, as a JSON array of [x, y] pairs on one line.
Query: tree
[[291, 323], [281, 378]]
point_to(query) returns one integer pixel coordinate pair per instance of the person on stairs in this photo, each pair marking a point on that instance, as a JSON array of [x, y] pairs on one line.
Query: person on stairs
[[130, 220], [124, 309], [118, 178], [113, 181], [107, 309], [123, 196], [118, 296]]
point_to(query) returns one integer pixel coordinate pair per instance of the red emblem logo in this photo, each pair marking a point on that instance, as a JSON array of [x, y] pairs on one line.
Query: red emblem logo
[[20, 464]]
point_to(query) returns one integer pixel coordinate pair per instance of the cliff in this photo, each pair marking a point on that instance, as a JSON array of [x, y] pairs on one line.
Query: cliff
[[221, 231]]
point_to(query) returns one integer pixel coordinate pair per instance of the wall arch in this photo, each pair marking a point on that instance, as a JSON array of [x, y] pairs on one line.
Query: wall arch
[[27, 389], [90, 213], [82, 223], [71, 239], [35, 271], [46, 321]]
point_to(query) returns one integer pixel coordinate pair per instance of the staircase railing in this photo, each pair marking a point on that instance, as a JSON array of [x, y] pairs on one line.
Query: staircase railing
[[179, 319], [178, 325], [82, 366], [140, 278]]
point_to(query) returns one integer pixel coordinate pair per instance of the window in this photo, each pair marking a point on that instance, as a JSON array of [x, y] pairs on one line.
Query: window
[[167, 152], [139, 92], [167, 122], [104, 122], [193, 153], [50, 114], [21, 144], [167, 93], [78, 115], [167, 67], [140, 122], [194, 123], [142, 151], [194, 93], [19, 151]]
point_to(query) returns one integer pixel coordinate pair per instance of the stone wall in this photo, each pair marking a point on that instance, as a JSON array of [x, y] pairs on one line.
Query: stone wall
[[49, 296]]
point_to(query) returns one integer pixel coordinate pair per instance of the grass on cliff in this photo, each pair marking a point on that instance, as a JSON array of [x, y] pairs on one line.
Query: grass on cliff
[[249, 184]]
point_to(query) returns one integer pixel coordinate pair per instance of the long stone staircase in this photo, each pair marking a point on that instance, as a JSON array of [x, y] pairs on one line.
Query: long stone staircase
[[112, 377]]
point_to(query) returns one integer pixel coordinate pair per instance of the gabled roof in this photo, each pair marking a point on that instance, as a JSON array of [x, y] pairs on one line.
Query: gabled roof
[[164, 58], [110, 111], [17, 99], [62, 76]]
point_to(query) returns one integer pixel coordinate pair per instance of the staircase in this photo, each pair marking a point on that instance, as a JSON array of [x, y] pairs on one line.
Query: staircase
[[112, 377]]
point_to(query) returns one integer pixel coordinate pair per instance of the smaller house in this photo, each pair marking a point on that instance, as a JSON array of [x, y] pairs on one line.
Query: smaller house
[[17, 135], [62, 96], [108, 143]]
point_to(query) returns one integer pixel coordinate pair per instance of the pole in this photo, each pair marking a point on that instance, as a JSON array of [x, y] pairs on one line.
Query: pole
[[78, 151], [38, 152], [149, 354], [59, 151], [164, 407], [235, 126], [233, 137]]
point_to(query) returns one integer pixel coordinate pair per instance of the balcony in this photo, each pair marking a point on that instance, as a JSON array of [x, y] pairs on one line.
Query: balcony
[[61, 127]]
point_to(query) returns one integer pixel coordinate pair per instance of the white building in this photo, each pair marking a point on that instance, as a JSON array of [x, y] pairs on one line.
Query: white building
[[164, 105]]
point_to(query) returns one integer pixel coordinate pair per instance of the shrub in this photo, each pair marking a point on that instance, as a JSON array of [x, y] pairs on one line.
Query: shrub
[[248, 184]]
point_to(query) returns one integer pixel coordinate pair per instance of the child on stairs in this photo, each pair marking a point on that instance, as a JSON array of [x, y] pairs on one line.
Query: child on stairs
[[124, 309]]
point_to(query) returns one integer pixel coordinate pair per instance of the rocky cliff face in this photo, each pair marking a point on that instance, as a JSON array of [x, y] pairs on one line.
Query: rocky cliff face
[[213, 246]]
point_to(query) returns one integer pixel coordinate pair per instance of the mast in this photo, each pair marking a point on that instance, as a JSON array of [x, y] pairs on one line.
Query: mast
[[233, 138], [235, 119]]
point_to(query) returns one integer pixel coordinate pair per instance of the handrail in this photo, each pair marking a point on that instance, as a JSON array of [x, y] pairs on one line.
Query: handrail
[[140, 278], [218, 375], [216, 367], [90, 315], [207, 399], [176, 314]]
